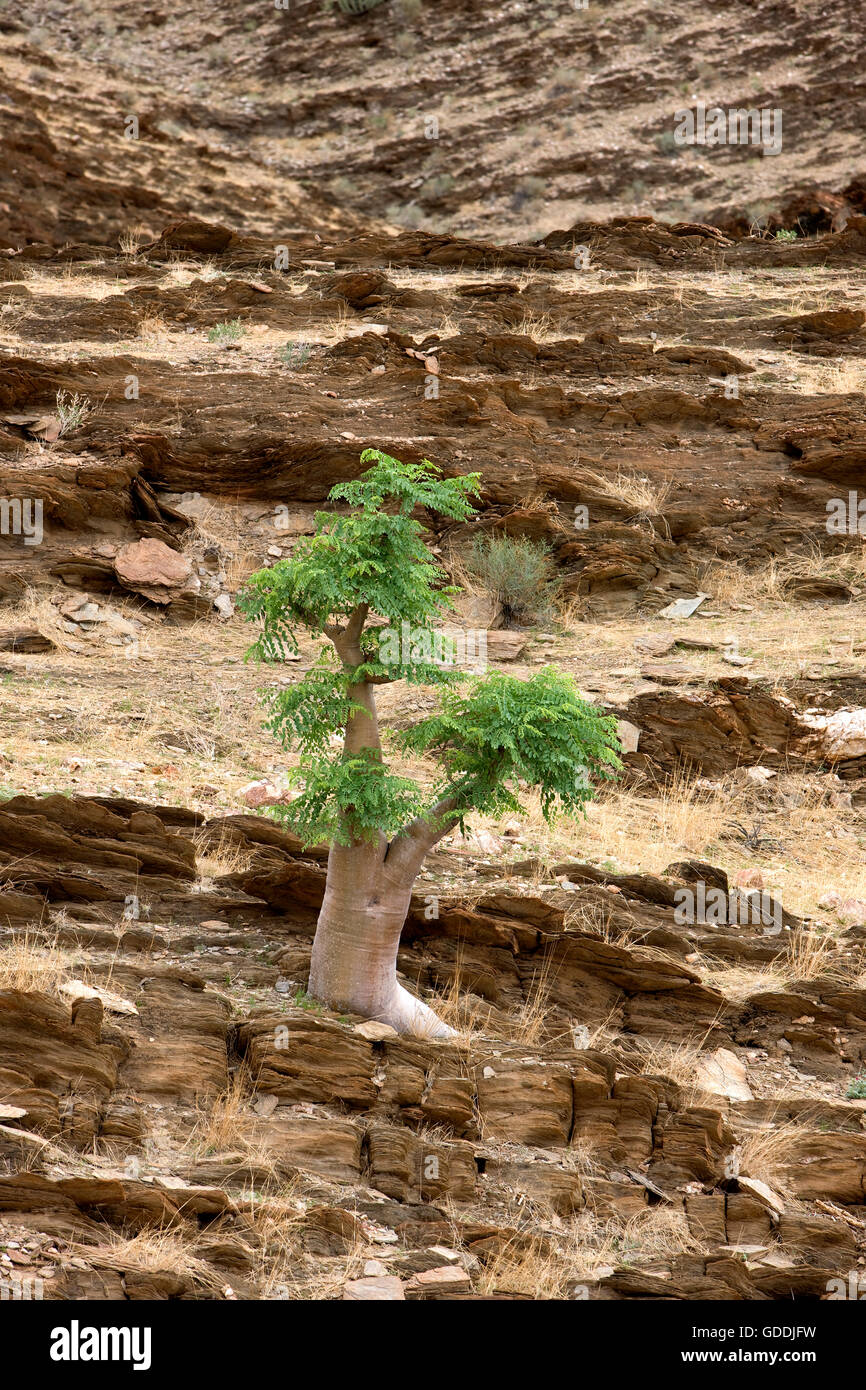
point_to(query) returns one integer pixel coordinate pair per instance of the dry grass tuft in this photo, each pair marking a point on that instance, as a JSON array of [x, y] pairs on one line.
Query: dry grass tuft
[[34, 965], [731, 584], [531, 1268], [154, 1252], [227, 856], [766, 1152], [679, 1062], [643, 496], [549, 1268]]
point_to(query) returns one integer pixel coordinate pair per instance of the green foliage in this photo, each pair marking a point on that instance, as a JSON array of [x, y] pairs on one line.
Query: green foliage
[[499, 730], [491, 732], [518, 573], [857, 1088], [71, 411], [302, 1000], [347, 799], [369, 556], [786, 234], [357, 6], [295, 355], [227, 332], [305, 715]]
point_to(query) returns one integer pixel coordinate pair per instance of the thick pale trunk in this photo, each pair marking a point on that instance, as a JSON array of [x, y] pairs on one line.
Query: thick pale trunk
[[354, 962], [369, 885]]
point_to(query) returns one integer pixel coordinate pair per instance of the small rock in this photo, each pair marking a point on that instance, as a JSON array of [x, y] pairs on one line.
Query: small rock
[[260, 794], [152, 568], [504, 645], [749, 878], [375, 1032], [445, 1279], [683, 607], [264, 1106], [760, 774], [114, 1003], [385, 1288], [763, 1194], [628, 735], [723, 1074]]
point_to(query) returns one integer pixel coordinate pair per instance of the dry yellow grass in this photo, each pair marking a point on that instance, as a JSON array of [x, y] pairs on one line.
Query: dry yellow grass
[[531, 1026], [597, 918], [550, 1267], [733, 583], [680, 1062], [683, 819], [225, 856], [154, 1252], [283, 1269], [811, 956], [526, 1267], [642, 495], [808, 956], [227, 527], [227, 1124], [33, 964], [765, 1152], [459, 1008]]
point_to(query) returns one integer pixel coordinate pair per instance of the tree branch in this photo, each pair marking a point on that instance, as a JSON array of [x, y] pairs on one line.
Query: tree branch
[[407, 852], [347, 640]]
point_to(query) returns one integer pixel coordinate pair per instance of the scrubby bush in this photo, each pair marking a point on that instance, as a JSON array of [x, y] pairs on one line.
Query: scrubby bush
[[519, 574], [227, 332]]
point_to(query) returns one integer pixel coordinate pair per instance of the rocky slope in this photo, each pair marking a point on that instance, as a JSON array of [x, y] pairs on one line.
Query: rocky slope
[[543, 1151], [462, 117], [202, 325]]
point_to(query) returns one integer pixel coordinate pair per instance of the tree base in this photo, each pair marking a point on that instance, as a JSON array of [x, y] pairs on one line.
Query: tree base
[[353, 969], [410, 1015]]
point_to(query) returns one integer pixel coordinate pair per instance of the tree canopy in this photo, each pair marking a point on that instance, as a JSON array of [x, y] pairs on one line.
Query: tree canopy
[[365, 580]]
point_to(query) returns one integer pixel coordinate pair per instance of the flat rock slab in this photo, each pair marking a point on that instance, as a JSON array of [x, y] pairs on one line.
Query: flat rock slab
[[384, 1288]]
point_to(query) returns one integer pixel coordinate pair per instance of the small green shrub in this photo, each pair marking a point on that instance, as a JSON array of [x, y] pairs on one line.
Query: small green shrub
[[665, 142], [228, 332], [786, 234], [857, 1088], [295, 355], [303, 1000], [72, 411], [519, 574]]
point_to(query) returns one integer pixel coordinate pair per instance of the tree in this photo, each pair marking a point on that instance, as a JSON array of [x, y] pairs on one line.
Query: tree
[[366, 581]]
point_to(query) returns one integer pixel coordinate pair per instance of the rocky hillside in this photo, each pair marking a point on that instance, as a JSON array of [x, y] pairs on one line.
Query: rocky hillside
[[202, 325]]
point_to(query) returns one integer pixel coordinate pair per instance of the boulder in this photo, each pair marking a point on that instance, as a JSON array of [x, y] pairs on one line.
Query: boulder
[[151, 568]]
